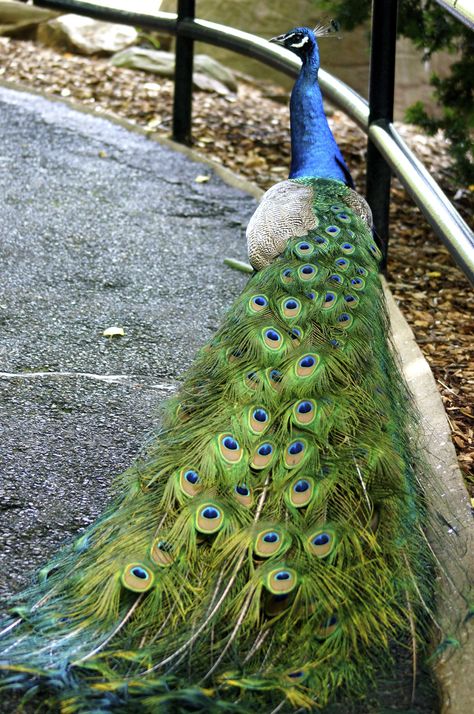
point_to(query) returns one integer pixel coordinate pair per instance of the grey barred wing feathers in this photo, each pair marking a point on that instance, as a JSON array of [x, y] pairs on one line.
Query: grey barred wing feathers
[[285, 211]]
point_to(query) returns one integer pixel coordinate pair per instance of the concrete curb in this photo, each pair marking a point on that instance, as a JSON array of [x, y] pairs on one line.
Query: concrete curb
[[454, 668]]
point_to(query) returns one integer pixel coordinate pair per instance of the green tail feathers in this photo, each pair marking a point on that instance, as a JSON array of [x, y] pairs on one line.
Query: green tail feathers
[[269, 546]]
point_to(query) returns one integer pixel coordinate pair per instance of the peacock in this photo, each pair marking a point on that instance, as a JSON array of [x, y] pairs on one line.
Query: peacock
[[268, 548]]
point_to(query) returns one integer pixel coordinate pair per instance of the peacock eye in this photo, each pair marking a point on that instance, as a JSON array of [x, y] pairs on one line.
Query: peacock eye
[[272, 335], [140, 573], [260, 415], [336, 278], [305, 407], [276, 375], [296, 675], [291, 304], [210, 513], [271, 537], [321, 539], [265, 449], [296, 448], [283, 575], [242, 490], [191, 477], [260, 300], [230, 443], [307, 361], [301, 486]]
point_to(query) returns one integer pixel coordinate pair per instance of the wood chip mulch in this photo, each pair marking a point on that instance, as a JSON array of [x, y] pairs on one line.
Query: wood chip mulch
[[249, 134]]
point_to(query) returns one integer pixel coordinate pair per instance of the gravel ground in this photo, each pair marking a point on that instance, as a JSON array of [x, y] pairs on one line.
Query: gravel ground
[[248, 132]]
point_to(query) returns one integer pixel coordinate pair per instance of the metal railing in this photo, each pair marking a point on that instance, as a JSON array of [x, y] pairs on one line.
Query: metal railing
[[387, 152]]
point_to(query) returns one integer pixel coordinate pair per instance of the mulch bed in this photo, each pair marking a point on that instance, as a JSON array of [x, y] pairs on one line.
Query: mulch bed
[[249, 133]]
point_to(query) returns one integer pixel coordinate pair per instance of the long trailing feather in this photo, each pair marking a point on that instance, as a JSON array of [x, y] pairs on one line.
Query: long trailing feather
[[271, 577]]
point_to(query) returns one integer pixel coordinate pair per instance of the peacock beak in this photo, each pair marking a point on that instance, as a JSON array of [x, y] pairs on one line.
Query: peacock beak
[[279, 40]]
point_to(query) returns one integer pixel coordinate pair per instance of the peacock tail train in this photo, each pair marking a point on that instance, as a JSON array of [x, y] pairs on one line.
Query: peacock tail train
[[270, 545]]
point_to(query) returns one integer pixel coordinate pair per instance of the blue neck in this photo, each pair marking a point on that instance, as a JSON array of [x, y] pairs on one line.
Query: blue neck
[[314, 152]]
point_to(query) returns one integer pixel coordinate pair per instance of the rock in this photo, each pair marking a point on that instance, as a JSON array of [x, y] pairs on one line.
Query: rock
[[209, 74], [20, 20], [86, 36], [208, 84]]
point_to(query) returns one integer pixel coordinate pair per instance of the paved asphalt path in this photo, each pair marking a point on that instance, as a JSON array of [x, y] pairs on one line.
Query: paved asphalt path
[[99, 227]]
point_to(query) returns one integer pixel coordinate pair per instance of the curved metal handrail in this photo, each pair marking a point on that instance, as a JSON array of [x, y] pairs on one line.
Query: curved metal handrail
[[432, 201]]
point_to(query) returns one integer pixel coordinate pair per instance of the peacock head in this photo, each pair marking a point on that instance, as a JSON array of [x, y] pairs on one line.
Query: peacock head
[[302, 41]]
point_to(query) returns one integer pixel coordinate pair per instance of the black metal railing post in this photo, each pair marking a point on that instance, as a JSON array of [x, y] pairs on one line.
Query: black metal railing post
[[183, 77], [381, 96]]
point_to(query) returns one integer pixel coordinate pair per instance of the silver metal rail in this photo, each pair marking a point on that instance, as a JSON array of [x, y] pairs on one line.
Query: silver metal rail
[[433, 203], [462, 10]]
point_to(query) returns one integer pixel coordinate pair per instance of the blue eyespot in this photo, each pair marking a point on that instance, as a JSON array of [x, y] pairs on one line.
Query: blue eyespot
[[344, 317], [307, 269], [342, 262], [296, 448], [273, 335], [291, 304], [283, 575], [329, 297], [349, 298], [230, 443], [191, 477], [260, 301], [304, 408], [347, 246], [362, 271], [242, 490], [140, 573], [311, 295], [303, 246], [333, 230], [295, 333], [260, 415], [321, 539], [321, 241], [287, 273], [271, 537], [265, 449], [301, 486], [307, 361], [210, 513], [276, 375], [332, 621], [356, 281], [334, 343], [336, 278], [296, 675], [343, 217]]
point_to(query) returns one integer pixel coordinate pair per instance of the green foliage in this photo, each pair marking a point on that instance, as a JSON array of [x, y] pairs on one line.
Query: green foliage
[[432, 29]]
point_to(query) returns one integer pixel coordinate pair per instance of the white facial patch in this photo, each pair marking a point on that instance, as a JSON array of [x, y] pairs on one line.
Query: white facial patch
[[300, 44]]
